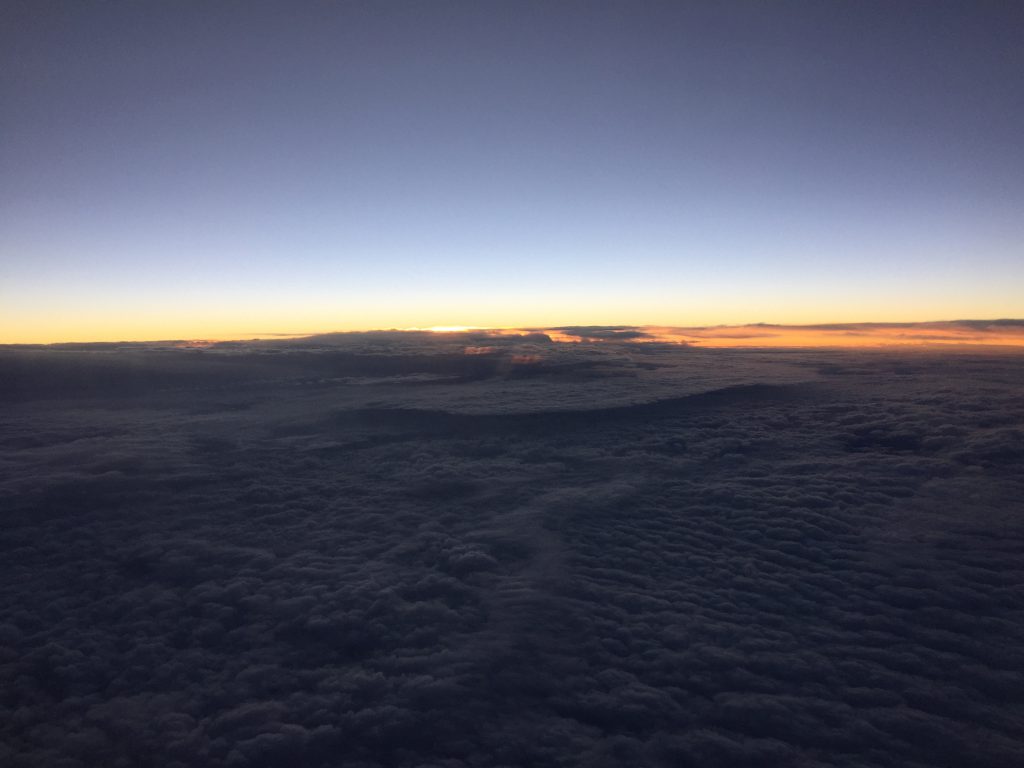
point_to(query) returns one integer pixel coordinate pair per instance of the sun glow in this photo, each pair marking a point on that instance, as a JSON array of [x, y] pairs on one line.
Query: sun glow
[[447, 328]]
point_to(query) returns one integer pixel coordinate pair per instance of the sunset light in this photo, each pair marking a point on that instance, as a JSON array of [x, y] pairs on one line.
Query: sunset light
[[512, 383], [446, 328]]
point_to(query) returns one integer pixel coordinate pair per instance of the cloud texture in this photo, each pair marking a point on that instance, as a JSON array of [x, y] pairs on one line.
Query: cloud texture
[[385, 552]]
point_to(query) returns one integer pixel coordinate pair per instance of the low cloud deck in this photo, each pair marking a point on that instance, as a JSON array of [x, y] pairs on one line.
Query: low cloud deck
[[382, 551]]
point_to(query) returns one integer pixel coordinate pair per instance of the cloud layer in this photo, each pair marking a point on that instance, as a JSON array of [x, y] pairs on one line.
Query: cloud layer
[[386, 552]]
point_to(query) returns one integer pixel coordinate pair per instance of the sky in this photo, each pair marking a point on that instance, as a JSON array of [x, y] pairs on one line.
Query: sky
[[230, 170]]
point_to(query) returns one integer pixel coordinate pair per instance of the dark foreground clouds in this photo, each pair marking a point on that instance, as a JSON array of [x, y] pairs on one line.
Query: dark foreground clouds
[[321, 560]]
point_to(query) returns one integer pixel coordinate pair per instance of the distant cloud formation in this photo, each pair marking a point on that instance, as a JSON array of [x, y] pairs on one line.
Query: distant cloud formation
[[963, 332], [1005, 332], [602, 333], [378, 550]]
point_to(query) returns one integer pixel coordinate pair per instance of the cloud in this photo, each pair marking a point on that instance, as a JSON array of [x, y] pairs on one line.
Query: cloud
[[603, 333], [668, 557]]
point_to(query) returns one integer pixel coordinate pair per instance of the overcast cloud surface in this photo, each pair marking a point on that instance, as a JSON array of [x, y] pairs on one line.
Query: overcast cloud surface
[[415, 550]]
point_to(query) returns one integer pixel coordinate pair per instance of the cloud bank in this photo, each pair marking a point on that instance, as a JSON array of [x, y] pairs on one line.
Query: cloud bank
[[382, 551]]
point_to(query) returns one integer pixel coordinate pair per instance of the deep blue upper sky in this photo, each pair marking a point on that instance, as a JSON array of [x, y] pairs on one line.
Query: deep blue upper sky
[[238, 168]]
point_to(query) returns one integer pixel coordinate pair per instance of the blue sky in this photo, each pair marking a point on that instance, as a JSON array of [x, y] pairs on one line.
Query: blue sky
[[196, 170]]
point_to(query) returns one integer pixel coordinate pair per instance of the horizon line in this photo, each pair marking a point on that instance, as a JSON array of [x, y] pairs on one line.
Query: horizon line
[[1003, 331]]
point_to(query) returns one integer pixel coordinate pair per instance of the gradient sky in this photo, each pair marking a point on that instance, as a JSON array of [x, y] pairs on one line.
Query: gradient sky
[[176, 170]]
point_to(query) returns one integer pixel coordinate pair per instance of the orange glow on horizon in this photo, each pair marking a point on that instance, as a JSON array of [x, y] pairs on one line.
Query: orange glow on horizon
[[838, 335], [844, 335], [851, 335]]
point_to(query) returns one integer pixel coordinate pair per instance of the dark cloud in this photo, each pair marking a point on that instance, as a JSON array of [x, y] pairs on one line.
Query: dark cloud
[[603, 332], [671, 557]]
